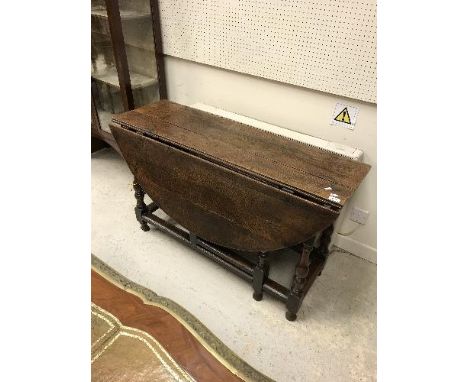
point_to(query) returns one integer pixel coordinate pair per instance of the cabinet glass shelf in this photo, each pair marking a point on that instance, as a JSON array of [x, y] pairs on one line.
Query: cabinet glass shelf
[[123, 28], [125, 14], [111, 77]]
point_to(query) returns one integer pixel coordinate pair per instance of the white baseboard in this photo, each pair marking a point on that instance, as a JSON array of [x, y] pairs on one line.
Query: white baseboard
[[356, 248]]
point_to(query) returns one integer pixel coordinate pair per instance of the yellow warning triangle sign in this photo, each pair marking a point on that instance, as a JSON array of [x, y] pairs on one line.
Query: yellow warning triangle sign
[[343, 116]]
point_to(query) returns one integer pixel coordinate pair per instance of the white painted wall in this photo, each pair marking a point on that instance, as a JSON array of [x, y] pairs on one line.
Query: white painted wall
[[303, 110]]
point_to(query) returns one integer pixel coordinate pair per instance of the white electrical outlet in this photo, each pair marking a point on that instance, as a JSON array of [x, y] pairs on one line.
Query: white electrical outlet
[[359, 216]]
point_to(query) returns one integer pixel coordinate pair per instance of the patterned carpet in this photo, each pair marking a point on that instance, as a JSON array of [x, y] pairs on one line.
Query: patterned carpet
[[121, 353], [140, 336]]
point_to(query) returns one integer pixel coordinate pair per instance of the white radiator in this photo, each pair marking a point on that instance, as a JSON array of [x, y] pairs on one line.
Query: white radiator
[[337, 148]]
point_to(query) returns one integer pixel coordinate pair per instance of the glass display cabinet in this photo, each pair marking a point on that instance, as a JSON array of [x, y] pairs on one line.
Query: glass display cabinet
[[127, 67]]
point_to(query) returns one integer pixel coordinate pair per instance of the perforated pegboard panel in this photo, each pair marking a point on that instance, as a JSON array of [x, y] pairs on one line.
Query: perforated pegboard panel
[[327, 45]]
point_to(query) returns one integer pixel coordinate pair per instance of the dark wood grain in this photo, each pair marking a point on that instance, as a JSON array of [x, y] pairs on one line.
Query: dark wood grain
[[237, 187], [167, 330], [218, 204], [303, 168]]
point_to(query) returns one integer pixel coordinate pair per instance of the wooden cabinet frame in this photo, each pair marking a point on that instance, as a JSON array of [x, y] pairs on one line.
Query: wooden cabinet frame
[[120, 56]]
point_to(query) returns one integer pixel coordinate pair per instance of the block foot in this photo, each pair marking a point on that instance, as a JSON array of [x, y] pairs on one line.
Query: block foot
[[258, 296]]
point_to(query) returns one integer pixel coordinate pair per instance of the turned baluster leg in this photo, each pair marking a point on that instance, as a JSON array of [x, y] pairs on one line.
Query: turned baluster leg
[[324, 243], [141, 208], [259, 275], [299, 280]]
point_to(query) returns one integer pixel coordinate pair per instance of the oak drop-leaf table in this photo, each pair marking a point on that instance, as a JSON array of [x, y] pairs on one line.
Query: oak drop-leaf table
[[236, 188]]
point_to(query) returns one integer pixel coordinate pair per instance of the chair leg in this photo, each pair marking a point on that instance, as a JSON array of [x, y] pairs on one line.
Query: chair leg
[[295, 297], [141, 208], [325, 240], [259, 275], [324, 243]]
